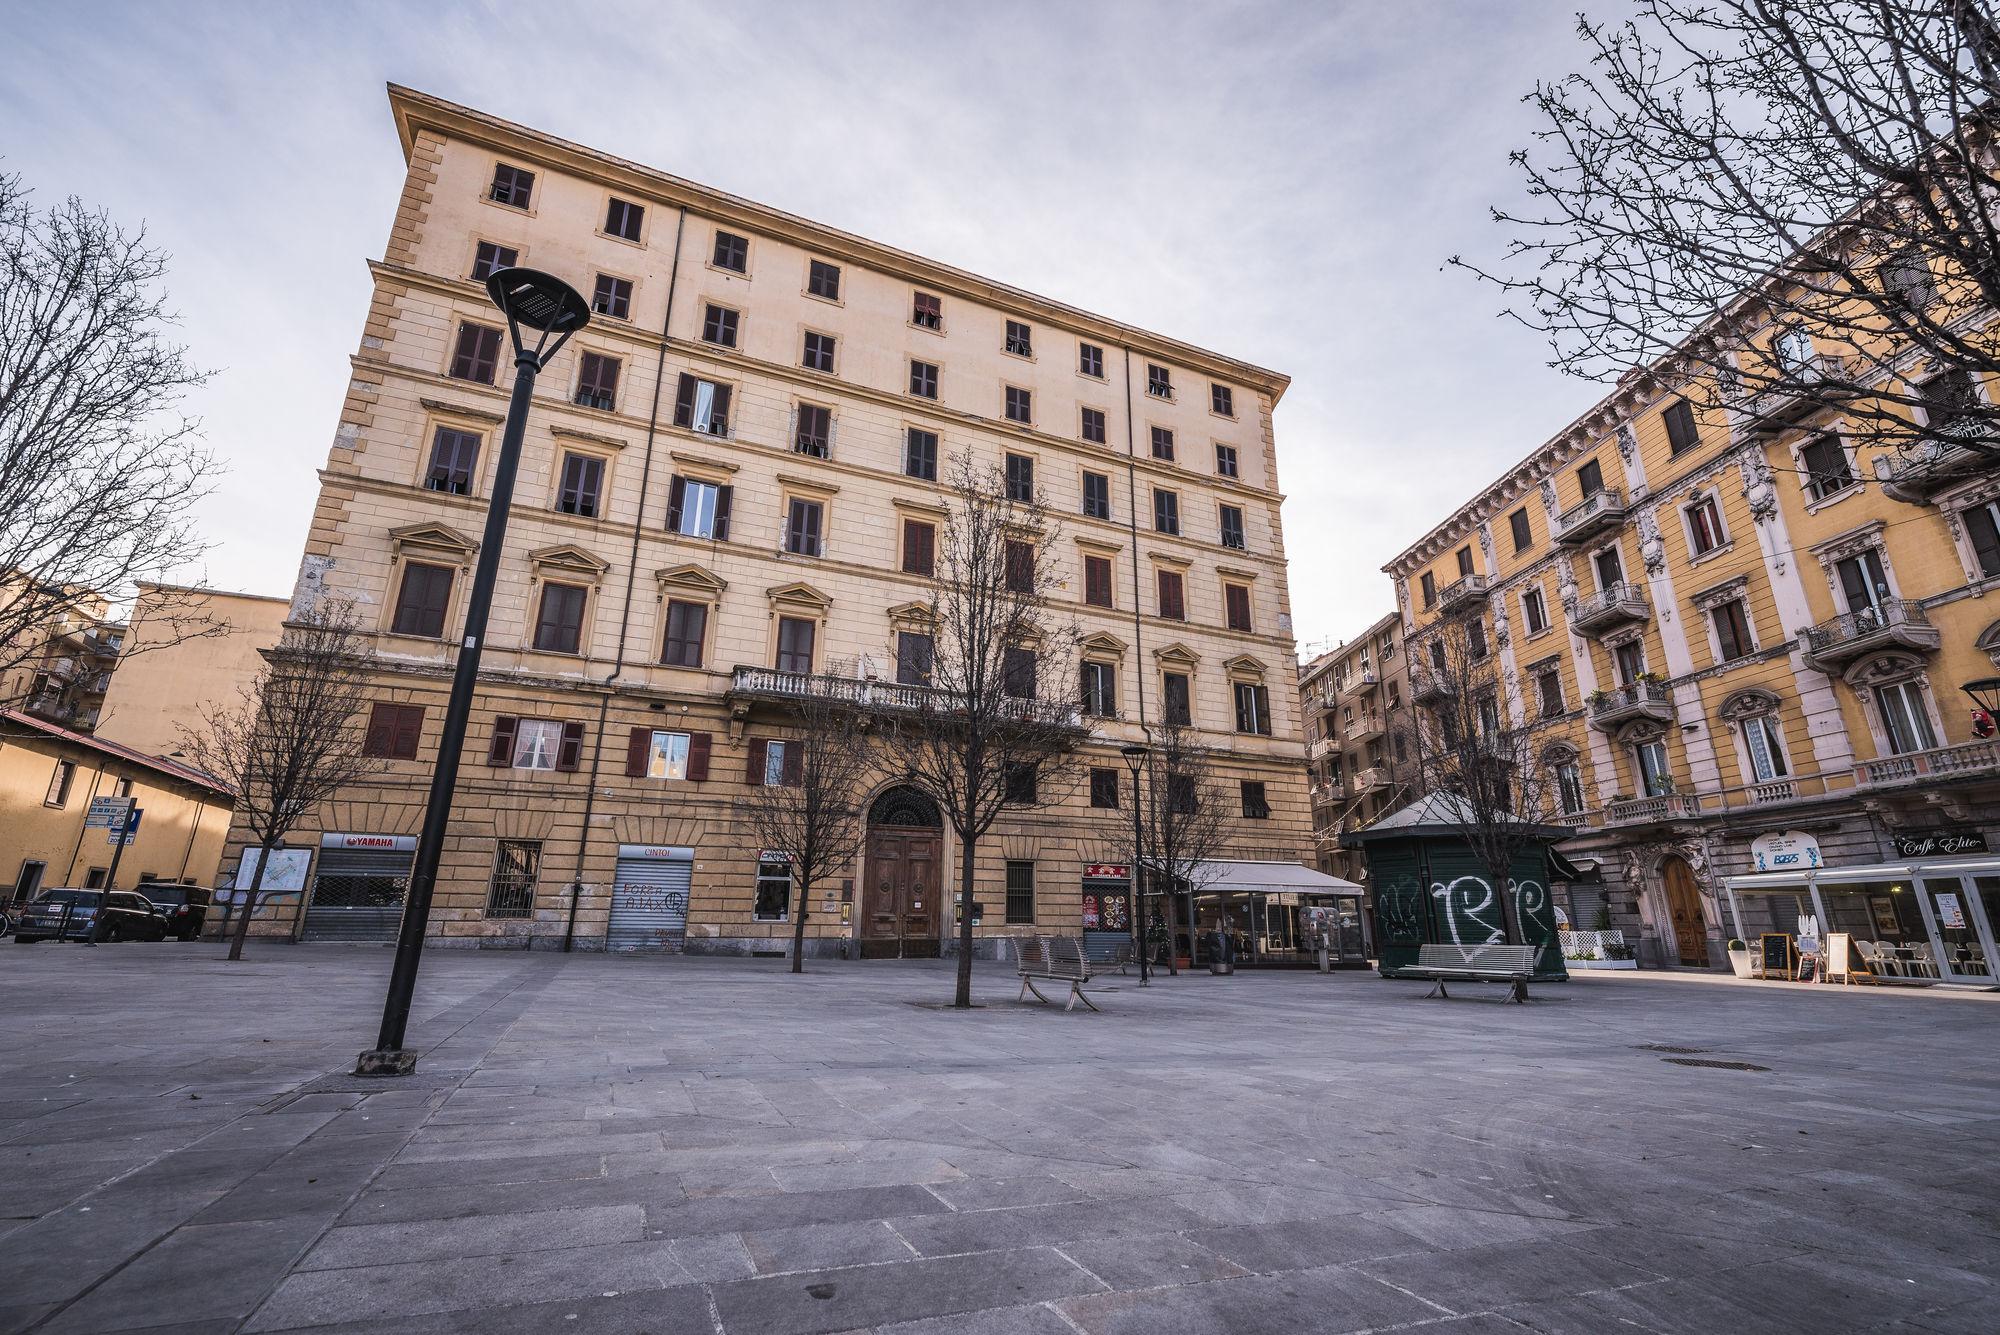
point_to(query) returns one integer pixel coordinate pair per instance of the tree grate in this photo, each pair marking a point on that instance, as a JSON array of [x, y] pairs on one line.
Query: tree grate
[[1713, 1064], [1667, 1047]]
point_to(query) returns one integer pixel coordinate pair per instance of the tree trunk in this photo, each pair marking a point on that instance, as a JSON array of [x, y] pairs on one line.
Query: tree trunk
[[799, 927], [250, 900], [968, 845], [1510, 915]]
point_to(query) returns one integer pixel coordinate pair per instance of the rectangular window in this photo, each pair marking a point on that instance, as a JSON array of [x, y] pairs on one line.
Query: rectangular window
[[1253, 708], [783, 763], [1020, 892], [490, 256], [1464, 555], [1222, 400], [1590, 477], [687, 627], [597, 381], [919, 547], [1766, 748], [718, 325], [1704, 526], [62, 779], [795, 644], [1827, 470], [666, 755], [774, 890], [1732, 630], [920, 451], [813, 433], [559, 626], [823, 280], [454, 461], [512, 186], [1549, 685], [536, 744], [1569, 787], [1534, 611], [613, 297], [1630, 660], [697, 509], [1097, 581], [1906, 278], [1104, 789], [1097, 495], [1020, 405], [582, 480], [702, 405], [732, 252], [927, 310], [1429, 585], [1166, 511], [422, 600], [1093, 426], [1610, 569], [1019, 559], [1982, 526], [1232, 527], [1173, 594], [924, 379], [1256, 806], [1100, 690], [1475, 635], [818, 352], [1159, 384], [1021, 786], [1225, 461], [1020, 339], [516, 865], [1179, 704], [1236, 606], [1182, 797], [476, 354], [1017, 673], [1090, 360], [624, 219], [1163, 443], [1524, 537], [1905, 720], [1651, 763], [916, 656], [1681, 433], [802, 528], [1020, 478]]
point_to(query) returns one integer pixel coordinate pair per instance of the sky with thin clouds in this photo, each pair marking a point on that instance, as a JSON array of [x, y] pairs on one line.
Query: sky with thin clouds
[[1281, 183]]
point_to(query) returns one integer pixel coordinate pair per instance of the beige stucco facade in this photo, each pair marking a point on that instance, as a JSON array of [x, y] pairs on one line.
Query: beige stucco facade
[[380, 511], [167, 677], [1360, 753]]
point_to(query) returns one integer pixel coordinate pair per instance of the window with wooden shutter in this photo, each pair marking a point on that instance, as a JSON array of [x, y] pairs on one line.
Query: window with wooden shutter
[[454, 462], [597, 381], [802, 528], [1681, 433], [501, 751], [477, 353], [687, 627], [571, 754], [582, 481], [920, 451], [422, 600], [718, 325], [512, 186], [1017, 673], [1523, 535], [731, 252], [613, 297], [1019, 558], [1225, 461], [638, 751], [1589, 477], [927, 311], [1163, 444], [818, 352], [699, 744], [394, 731], [1166, 511], [490, 256], [1020, 478], [919, 547], [624, 219], [1179, 708], [1097, 495], [1020, 405], [1020, 339], [923, 379], [1230, 518], [916, 653], [792, 772], [702, 405], [1097, 581], [1236, 606], [559, 627], [823, 280], [1173, 594], [1093, 429], [795, 644], [755, 755], [813, 432]]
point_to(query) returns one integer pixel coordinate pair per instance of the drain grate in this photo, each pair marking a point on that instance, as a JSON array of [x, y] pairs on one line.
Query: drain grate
[[1666, 1047], [1712, 1064]]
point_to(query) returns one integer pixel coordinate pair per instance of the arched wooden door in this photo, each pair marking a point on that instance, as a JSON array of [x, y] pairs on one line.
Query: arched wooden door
[[904, 878], [1684, 907]]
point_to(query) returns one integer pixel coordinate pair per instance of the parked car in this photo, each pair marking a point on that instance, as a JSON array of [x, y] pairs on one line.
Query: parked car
[[185, 907], [128, 917]]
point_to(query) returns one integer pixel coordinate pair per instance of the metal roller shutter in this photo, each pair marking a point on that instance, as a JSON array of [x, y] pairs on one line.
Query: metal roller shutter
[[359, 888], [649, 900]]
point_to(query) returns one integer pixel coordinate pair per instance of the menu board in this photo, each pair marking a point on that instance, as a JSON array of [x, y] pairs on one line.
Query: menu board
[[1775, 954]]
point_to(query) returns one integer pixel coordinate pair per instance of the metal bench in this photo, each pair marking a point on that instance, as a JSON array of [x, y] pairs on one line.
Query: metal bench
[[1059, 959], [1495, 963]]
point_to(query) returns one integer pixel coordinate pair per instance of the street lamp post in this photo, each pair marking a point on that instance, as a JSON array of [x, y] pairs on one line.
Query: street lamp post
[[553, 310], [1135, 757]]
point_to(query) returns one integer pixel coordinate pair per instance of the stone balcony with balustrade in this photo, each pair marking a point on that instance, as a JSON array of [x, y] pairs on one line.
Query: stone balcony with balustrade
[[1788, 397], [1466, 593], [1919, 473], [872, 695], [1596, 513], [1893, 624], [1613, 709], [1622, 604]]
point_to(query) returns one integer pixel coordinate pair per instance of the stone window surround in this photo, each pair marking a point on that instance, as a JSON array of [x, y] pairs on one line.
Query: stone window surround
[[1708, 600], [1854, 542], [1950, 504], [1686, 506], [1755, 702], [604, 449], [693, 584], [1888, 668], [564, 563], [798, 601], [427, 544], [1796, 449]]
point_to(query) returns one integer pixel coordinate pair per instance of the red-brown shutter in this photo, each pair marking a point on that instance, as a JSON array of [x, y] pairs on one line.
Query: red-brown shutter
[[638, 750], [723, 496], [571, 753], [676, 498], [684, 401], [795, 764], [501, 753], [919, 550], [380, 739], [409, 731], [697, 756], [753, 768], [718, 421]]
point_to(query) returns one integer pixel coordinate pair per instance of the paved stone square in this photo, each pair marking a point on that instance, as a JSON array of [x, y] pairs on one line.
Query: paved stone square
[[623, 1145]]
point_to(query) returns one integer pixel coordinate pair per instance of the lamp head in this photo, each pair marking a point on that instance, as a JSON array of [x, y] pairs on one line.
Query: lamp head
[[539, 301], [1135, 754]]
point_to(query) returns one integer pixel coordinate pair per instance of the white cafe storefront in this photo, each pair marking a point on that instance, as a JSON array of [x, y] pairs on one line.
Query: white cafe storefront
[[1928, 916]]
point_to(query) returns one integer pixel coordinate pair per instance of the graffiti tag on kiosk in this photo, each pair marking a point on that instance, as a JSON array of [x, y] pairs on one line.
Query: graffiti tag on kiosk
[[1463, 903]]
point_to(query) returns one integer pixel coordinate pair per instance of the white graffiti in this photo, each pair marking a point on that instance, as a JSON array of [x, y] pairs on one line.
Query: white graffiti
[[1456, 903]]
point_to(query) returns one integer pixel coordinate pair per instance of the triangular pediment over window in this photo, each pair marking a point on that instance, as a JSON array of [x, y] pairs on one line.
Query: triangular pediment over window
[[799, 594], [691, 578], [1244, 665], [1177, 655], [569, 559], [1102, 643], [432, 537]]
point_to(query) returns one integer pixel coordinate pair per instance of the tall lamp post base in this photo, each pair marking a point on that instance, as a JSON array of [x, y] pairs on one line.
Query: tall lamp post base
[[386, 1061]]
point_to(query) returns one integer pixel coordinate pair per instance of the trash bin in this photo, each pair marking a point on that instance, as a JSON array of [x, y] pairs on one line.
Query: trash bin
[[1221, 952]]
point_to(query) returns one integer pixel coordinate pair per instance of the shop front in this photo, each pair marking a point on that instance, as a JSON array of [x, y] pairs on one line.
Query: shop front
[[1922, 921], [359, 886], [1276, 915]]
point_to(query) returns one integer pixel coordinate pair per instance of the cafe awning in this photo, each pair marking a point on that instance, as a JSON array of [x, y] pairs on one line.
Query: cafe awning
[[1861, 872], [1226, 878], [1578, 871]]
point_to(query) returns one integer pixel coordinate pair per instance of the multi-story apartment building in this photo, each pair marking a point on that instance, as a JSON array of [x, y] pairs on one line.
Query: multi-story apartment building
[[186, 650], [730, 494], [62, 668], [1746, 644], [1359, 742]]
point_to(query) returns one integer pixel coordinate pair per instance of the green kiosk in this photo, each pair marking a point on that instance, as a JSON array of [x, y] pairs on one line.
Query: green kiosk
[[1427, 887]]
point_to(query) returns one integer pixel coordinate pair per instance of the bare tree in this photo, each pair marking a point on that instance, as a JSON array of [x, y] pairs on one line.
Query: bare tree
[[294, 738], [805, 800], [1481, 741], [989, 736], [1781, 205], [1185, 824], [98, 471]]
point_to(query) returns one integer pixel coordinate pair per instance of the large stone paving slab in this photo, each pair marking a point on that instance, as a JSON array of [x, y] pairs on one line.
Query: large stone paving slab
[[717, 1147]]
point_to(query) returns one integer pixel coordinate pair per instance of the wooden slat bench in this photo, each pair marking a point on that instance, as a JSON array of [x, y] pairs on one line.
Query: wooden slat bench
[[1496, 963], [1058, 959]]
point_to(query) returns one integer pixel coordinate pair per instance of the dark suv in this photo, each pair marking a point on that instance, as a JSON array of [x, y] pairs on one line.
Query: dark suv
[[185, 907], [69, 915]]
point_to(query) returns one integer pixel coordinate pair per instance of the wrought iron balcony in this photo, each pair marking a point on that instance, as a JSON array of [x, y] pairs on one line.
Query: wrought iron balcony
[[1596, 513], [1652, 810], [748, 684], [1366, 728], [1939, 762], [1428, 685], [1620, 605], [1465, 591], [1794, 393], [1921, 472], [1615, 708], [1895, 623]]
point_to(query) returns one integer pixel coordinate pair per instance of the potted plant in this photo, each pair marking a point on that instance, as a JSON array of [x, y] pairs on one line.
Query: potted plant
[[1739, 957]]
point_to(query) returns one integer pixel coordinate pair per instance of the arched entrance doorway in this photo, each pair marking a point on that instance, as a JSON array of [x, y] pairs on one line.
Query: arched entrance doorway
[[1684, 911], [902, 885]]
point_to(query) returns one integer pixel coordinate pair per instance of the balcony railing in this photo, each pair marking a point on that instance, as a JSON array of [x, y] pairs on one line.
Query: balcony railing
[[1368, 681], [1623, 704], [1792, 395], [886, 696], [1939, 762], [1894, 623], [1648, 810], [1619, 605], [1463, 591], [1922, 471], [1427, 684], [1365, 728], [1602, 509], [1371, 780]]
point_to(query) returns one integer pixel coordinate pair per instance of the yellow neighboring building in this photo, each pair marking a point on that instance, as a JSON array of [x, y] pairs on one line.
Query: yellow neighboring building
[[48, 776], [1748, 646], [163, 681], [63, 668]]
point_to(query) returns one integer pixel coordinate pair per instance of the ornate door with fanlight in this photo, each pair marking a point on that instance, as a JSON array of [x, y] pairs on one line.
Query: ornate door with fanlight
[[901, 904], [1684, 910]]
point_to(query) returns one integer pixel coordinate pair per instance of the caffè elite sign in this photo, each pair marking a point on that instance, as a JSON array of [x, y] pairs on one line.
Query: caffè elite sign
[[1793, 850]]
